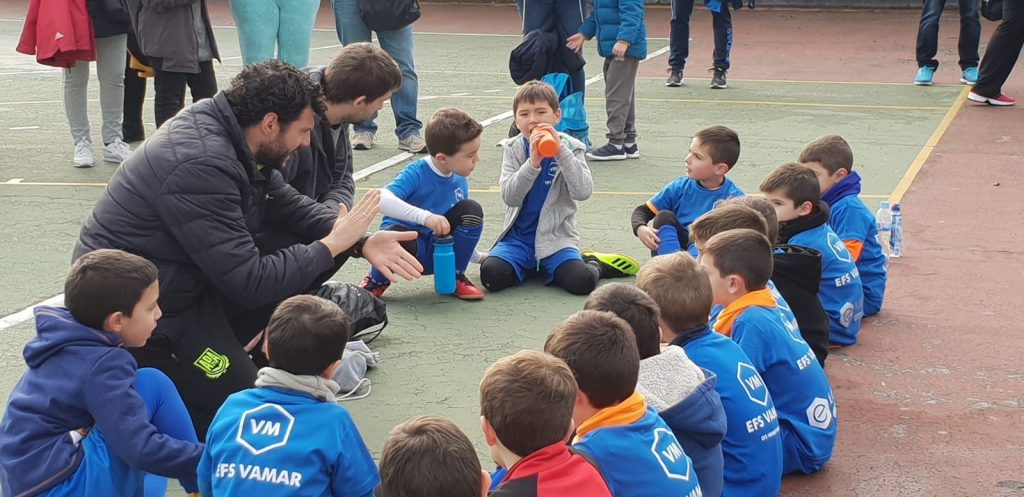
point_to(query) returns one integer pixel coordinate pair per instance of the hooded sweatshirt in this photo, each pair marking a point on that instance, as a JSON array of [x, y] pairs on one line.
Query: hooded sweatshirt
[[796, 275], [841, 292], [79, 377], [685, 397], [856, 226]]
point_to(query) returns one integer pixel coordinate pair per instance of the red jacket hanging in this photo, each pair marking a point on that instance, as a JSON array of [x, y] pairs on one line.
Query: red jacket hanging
[[58, 32]]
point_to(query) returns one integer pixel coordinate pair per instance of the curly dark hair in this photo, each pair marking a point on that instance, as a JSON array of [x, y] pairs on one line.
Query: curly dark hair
[[273, 86]]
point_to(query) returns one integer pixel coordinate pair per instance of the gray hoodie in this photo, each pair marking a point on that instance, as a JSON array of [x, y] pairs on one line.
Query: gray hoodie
[[556, 228]]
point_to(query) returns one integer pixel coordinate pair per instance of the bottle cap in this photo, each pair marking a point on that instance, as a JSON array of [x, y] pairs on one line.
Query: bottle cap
[[896, 207], [444, 240], [884, 204]]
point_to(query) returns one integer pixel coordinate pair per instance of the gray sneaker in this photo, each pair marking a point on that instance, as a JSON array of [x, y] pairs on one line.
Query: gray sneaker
[[675, 78], [718, 80], [413, 143], [363, 140]]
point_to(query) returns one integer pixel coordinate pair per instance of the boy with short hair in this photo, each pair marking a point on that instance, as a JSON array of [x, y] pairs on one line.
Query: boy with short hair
[[752, 446], [428, 456], [289, 435], [431, 196], [614, 424], [683, 393], [526, 403], [78, 422], [796, 271], [541, 195], [738, 264], [803, 220], [622, 41], [831, 159], [713, 153]]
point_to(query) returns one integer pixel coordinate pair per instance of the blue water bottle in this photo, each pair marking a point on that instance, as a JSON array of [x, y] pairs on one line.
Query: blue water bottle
[[444, 265], [896, 237]]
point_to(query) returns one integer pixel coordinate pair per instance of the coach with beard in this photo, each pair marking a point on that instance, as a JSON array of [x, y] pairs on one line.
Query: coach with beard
[[190, 200]]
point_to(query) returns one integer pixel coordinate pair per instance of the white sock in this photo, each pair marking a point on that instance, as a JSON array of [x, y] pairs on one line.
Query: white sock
[[630, 145]]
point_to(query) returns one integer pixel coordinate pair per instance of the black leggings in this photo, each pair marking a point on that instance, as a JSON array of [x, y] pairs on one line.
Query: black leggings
[[465, 213], [575, 276]]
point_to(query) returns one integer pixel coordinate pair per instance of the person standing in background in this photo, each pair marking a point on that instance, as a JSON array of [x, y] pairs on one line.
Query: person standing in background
[[1001, 55], [266, 24]]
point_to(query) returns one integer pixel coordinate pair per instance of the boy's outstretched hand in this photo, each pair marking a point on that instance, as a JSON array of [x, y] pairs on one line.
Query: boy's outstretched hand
[[575, 42], [384, 251]]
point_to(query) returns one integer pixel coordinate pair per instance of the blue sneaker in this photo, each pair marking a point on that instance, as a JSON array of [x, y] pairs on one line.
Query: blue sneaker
[[970, 76], [925, 75], [632, 151]]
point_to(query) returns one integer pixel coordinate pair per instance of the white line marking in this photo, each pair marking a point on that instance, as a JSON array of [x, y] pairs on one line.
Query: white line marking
[[15, 181], [21, 128], [461, 94], [26, 313], [491, 91], [380, 166]]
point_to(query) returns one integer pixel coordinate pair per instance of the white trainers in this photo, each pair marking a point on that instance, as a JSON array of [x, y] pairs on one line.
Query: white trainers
[[363, 140], [413, 143], [116, 151], [83, 153]]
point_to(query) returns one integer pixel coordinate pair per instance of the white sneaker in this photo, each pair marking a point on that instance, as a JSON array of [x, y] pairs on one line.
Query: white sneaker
[[363, 140], [116, 151], [83, 153], [413, 143]]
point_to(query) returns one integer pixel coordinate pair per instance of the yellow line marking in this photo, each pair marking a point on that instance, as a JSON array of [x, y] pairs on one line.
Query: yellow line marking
[[926, 151], [492, 189]]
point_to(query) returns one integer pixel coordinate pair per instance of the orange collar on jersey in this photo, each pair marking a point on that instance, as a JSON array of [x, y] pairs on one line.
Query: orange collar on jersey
[[761, 298], [626, 412]]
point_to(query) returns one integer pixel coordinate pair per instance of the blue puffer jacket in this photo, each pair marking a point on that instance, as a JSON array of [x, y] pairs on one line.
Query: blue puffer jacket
[[614, 20]]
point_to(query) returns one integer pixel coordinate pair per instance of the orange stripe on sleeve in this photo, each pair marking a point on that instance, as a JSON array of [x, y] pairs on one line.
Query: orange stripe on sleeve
[[650, 205], [855, 247]]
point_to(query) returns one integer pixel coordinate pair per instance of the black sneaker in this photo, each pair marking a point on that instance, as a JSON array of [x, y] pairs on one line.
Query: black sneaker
[[608, 152], [718, 80], [632, 151], [675, 78]]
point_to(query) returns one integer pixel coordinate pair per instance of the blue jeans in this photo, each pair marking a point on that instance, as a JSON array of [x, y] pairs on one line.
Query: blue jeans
[[928, 33], [396, 43], [679, 34], [562, 16]]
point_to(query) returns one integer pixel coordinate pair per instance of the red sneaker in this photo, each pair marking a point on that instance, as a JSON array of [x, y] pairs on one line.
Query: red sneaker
[[1001, 100], [466, 290], [377, 289]]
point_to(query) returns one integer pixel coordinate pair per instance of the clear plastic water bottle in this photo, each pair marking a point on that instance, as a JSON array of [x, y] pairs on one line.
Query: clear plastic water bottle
[[896, 237], [444, 265], [883, 220]]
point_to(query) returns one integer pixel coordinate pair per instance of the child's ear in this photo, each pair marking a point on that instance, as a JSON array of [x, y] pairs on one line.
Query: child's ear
[[485, 482], [329, 372], [840, 174], [736, 284], [805, 208], [558, 115], [721, 169], [489, 435], [360, 100], [114, 322]]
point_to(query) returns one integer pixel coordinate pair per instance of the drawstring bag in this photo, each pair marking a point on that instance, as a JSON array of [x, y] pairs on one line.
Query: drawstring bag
[[570, 101], [992, 10], [388, 15], [364, 311]]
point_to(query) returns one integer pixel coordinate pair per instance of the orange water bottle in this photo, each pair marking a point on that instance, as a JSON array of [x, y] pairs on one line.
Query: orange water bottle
[[548, 145]]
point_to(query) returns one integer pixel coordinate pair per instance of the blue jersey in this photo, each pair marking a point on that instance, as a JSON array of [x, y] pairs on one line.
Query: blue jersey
[[753, 445], [798, 385], [657, 465], [525, 226], [269, 441], [688, 200], [423, 186], [841, 293], [852, 221]]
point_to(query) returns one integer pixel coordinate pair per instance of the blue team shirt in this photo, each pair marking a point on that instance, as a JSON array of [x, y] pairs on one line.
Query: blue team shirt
[[420, 185], [841, 293], [801, 391], [525, 226], [851, 220], [657, 465], [752, 445], [688, 200], [268, 441]]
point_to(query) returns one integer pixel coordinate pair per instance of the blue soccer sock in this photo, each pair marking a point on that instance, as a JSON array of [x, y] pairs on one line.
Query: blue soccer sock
[[377, 276], [168, 414], [669, 240], [466, 239]]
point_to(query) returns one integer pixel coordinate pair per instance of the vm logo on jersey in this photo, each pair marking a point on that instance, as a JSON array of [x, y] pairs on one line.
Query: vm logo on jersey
[[752, 383], [264, 428], [838, 247], [670, 455], [460, 195], [819, 413]]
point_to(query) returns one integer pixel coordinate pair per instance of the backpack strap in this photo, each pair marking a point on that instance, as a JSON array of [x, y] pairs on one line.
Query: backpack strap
[[593, 462]]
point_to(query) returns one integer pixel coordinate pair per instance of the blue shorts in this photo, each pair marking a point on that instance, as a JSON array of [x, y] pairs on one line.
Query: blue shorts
[[100, 473], [520, 256]]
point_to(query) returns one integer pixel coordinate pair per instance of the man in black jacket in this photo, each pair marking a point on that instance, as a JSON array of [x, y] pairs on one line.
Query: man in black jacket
[[191, 198]]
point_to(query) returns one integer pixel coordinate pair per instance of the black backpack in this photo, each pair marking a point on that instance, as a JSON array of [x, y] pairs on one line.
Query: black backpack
[[388, 15], [992, 10], [362, 309]]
